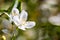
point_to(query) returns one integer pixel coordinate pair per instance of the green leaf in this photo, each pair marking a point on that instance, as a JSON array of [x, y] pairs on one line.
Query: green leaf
[[10, 8], [57, 29], [19, 5]]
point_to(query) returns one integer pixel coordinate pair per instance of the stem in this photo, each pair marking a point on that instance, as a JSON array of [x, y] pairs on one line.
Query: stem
[[16, 4]]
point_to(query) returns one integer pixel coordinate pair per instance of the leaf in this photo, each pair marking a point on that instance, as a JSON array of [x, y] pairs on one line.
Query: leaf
[[10, 8], [57, 29]]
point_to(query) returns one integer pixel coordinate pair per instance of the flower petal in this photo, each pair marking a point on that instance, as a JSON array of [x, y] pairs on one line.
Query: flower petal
[[15, 12], [52, 2], [23, 16], [5, 31], [55, 20], [44, 6], [30, 24], [6, 24], [22, 27], [16, 20]]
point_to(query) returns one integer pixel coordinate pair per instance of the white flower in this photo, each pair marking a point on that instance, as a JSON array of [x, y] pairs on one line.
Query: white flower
[[45, 6], [22, 22], [14, 13], [50, 2], [55, 20], [21, 19]]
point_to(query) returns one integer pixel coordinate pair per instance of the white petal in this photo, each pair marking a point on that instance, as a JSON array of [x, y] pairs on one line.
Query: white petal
[[22, 27], [5, 31], [44, 6], [6, 24], [51, 1], [23, 16], [15, 11], [55, 20], [30, 24], [16, 20]]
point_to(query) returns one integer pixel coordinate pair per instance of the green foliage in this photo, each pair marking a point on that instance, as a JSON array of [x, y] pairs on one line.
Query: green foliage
[[51, 30], [10, 8]]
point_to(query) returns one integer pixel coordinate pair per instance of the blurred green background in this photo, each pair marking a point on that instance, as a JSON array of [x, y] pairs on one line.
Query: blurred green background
[[43, 29]]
